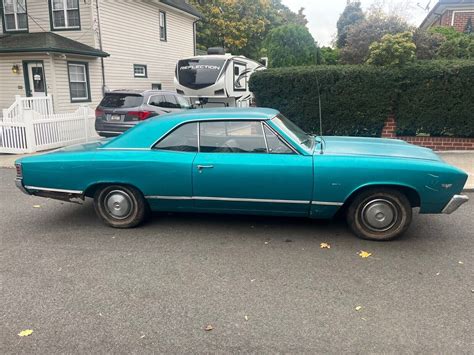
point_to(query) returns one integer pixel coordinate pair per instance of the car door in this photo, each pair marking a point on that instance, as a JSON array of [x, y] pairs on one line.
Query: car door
[[239, 168]]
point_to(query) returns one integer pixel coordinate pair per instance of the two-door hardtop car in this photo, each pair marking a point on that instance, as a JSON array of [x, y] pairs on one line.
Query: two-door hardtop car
[[252, 161]]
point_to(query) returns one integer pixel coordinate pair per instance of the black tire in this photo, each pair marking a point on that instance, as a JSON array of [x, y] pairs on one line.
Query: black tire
[[379, 214], [120, 206]]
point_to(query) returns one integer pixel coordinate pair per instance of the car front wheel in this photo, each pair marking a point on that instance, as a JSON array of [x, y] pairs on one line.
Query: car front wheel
[[120, 206], [379, 214]]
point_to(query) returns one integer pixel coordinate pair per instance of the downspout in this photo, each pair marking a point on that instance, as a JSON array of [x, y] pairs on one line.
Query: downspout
[[100, 46], [194, 35]]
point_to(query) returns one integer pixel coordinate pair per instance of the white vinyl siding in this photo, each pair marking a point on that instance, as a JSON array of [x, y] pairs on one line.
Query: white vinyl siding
[[14, 15], [65, 14], [142, 43]]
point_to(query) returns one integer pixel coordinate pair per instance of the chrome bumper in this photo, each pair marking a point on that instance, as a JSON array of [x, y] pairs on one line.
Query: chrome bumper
[[455, 202], [19, 184]]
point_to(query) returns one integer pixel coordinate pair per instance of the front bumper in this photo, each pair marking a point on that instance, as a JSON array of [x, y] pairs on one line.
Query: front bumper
[[19, 184], [455, 202]]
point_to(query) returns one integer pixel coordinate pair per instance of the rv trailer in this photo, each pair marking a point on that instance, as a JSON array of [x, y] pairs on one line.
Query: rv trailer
[[217, 79]]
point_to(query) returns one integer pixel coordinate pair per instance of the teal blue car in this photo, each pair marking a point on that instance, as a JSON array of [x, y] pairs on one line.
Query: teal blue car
[[247, 161]]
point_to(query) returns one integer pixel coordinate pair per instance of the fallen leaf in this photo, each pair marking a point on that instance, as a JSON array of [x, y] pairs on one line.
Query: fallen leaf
[[142, 336], [460, 262], [252, 280], [209, 328], [25, 333], [36, 206], [364, 254], [438, 273], [325, 246], [246, 318], [358, 308]]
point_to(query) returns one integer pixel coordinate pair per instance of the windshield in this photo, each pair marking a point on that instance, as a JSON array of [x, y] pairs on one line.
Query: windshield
[[293, 131], [198, 73], [121, 100]]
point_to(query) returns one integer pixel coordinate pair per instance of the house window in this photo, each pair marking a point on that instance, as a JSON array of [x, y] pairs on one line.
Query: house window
[[14, 15], [163, 26], [64, 14], [79, 81], [156, 86], [139, 71]]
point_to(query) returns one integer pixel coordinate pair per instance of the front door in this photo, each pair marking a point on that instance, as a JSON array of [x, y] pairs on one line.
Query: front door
[[237, 170], [36, 83]]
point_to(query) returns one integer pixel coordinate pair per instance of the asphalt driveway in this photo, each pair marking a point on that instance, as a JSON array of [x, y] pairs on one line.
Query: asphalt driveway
[[263, 284]]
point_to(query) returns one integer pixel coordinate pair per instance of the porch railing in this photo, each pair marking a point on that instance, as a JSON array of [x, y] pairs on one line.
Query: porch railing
[[40, 104]]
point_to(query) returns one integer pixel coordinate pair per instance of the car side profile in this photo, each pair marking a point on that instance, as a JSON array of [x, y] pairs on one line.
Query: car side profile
[[250, 161], [120, 110]]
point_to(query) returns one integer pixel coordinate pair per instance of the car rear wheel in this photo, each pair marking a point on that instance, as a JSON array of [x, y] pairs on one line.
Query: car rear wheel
[[120, 206], [379, 214]]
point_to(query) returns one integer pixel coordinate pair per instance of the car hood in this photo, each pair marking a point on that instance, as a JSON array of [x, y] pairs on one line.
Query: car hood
[[378, 147]]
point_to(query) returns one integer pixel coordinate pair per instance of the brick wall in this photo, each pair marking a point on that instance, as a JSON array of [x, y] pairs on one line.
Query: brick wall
[[435, 143], [460, 19]]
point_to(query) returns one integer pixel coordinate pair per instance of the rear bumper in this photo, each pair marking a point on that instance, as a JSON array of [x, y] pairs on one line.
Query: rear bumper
[[455, 202], [19, 184], [104, 128]]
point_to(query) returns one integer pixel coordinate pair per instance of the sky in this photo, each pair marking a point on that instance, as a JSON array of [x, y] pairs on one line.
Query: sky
[[323, 15]]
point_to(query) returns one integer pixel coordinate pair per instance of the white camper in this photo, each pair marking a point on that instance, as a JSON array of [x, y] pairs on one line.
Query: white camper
[[217, 79]]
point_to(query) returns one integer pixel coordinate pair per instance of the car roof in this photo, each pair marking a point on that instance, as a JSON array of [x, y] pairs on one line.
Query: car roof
[[146, 133], [140, 91]]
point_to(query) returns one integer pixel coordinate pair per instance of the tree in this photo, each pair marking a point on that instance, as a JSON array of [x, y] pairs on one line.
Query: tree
[[361, 35], [240, 26], [427, 43], [351, 15], [392, 50], [291, 45], [329, 56]]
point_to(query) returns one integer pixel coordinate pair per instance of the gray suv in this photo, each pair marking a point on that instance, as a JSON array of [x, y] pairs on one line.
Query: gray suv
[[120, 110]]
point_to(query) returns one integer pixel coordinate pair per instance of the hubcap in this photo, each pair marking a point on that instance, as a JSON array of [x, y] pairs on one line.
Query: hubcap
[[379, 215], [118, 204]]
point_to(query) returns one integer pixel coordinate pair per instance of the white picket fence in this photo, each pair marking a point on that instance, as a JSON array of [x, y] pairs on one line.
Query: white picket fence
[[30, 125]]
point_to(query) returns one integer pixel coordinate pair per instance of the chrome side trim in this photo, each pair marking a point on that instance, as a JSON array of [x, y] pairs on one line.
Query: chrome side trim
[[53, 190], [455, 202], [123, 148], [231, 199], [324, 203]]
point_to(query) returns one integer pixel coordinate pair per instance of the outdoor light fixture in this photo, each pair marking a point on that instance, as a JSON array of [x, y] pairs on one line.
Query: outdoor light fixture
[[15, 69]]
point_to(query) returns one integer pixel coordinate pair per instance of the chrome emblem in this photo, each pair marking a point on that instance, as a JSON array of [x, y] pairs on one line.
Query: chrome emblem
[[446, 186]]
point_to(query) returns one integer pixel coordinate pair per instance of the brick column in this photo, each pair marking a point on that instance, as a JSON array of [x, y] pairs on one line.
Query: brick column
[[390, 127]]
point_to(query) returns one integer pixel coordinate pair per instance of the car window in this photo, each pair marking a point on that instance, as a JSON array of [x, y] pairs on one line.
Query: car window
[[171, 101], [275, 144], [182, 102], [156, 100], [182, 139], [115, 100], [293, 131], [232, 137]]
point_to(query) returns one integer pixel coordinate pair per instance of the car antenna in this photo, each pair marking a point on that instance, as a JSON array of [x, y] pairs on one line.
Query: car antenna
[[320, 116]]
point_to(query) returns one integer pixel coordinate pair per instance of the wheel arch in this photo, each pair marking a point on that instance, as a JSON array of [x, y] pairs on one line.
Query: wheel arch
[[92, 188], [410, 192]]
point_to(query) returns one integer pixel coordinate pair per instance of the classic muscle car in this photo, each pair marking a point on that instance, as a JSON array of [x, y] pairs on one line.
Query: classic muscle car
[[252, 161]]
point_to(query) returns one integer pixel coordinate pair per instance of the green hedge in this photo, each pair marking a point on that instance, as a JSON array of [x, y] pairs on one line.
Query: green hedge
[[435, 98]]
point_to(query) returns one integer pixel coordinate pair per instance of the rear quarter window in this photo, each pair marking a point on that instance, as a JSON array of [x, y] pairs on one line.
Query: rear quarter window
[[121, 100]]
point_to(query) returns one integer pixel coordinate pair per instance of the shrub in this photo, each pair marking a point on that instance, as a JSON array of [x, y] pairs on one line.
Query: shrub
[[291, 45], [355, 99], [397, 49], [434, 97]]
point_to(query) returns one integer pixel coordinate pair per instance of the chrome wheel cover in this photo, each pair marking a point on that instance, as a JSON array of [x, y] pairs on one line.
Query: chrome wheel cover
[[118, 204], [379, 215]]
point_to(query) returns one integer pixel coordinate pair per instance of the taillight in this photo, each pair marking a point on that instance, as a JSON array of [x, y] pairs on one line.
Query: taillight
[[99, 113], [19, 172], [140, 115]]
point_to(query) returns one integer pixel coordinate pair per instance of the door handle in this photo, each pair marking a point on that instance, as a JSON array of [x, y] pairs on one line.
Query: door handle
[[200, 167]]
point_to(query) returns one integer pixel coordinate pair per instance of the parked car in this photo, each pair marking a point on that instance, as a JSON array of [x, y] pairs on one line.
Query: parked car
[[252, 161], [120, 110]]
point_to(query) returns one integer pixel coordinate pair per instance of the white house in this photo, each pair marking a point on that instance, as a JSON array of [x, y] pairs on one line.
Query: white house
[[69, 51]]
